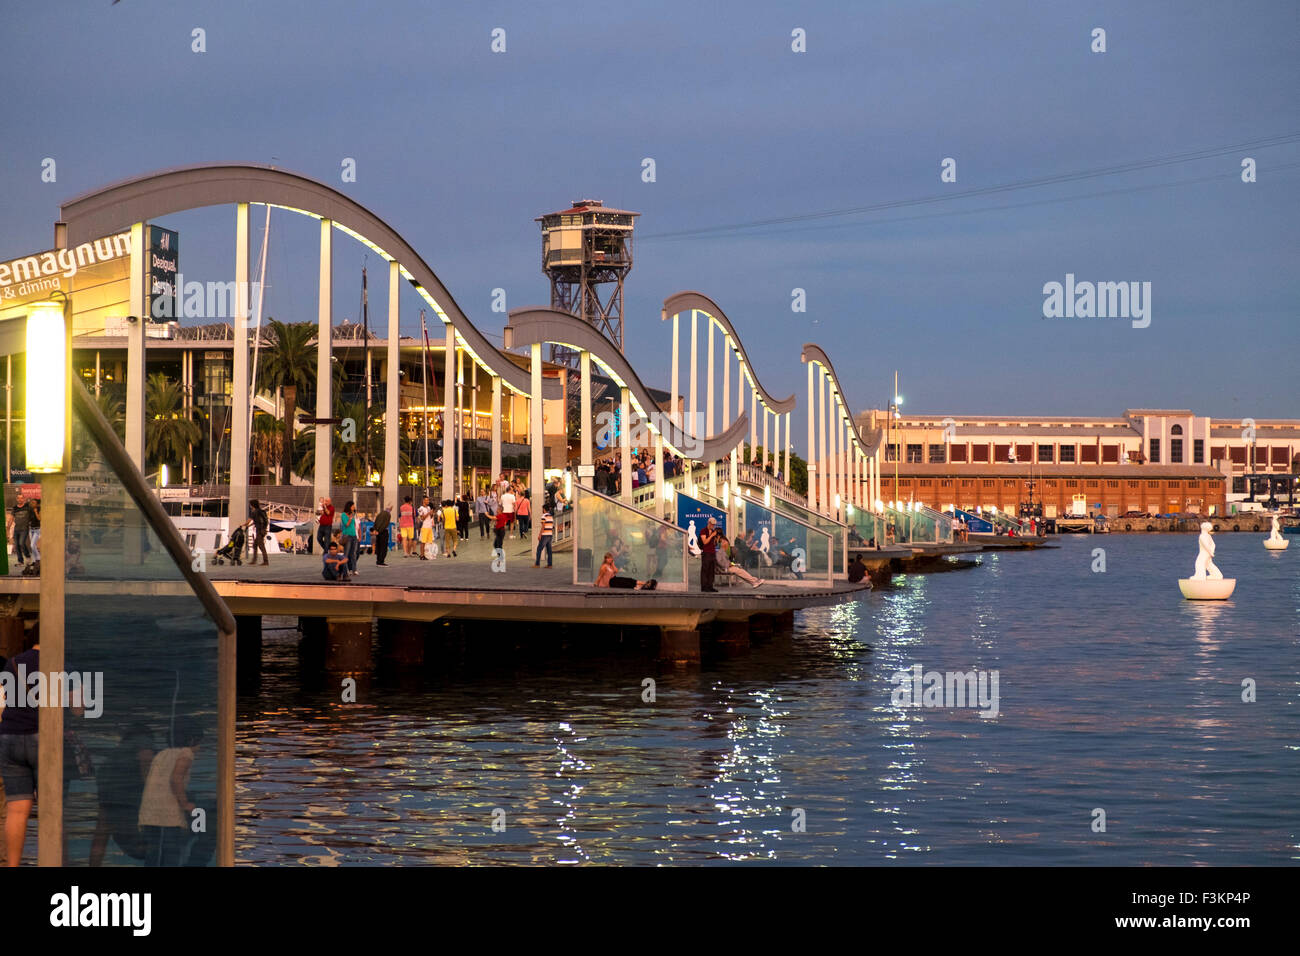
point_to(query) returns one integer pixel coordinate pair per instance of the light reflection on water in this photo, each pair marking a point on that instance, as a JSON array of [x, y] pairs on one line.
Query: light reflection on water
[[1115, 693]]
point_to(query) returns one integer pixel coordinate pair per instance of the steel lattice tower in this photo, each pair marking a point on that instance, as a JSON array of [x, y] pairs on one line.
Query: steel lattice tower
[[584, 248]]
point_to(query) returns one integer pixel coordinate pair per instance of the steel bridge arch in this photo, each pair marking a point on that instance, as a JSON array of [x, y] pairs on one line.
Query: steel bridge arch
[[110, 209], [816, 355], [680, 302], [540, 326]]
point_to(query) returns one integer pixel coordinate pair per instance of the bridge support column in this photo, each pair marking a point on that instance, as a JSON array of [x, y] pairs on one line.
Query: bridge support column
[[496, 429], [823, 465], [760, 627], [660, 509], [679, 646], [707, 431], [767, 438], [732, 638], [625, 446], [785, 468], [248, 644], [734, 479], [694, 428], [239, 386], [776, 444], [584, 365], [726, 381], [135, 348], [450, 469], [347, 644], [811, 442], [674, 408], [392, 394], [753, 424], [402, 642], [740, 398], [535, 439], [323, 467]]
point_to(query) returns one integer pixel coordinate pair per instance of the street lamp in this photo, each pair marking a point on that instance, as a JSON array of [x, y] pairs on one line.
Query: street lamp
[[47, 387]]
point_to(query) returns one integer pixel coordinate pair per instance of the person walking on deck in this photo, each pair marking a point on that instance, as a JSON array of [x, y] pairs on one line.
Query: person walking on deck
[[547, 532]]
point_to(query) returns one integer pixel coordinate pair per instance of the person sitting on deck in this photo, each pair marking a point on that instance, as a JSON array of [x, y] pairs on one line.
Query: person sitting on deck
[[727, 566], [336, 563], [608, 577], [857, 569], [785, 557]]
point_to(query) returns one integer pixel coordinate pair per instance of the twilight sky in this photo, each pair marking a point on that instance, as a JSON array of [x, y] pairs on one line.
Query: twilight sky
[[459, 148]]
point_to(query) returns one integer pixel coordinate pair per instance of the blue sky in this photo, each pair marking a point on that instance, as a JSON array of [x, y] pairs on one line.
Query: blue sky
[[459, 148]]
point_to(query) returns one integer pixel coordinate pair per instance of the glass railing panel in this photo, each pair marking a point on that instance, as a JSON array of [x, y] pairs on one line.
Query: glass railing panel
[[643, 546], [147, 654], [787, 550]]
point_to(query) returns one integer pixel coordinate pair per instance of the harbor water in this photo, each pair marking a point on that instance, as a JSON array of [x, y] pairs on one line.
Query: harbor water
[[1132, 727]]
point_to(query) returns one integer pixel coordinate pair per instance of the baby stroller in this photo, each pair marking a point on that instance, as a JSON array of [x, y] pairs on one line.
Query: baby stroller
[[234, 549]]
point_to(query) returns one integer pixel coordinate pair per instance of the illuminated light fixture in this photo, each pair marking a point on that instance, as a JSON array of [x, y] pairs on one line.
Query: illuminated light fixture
[[162, 477], [47, 371], [849, 510], [726, 496], [767, 495], [837, 501], [898, 399], [880, 505], [568, 484]]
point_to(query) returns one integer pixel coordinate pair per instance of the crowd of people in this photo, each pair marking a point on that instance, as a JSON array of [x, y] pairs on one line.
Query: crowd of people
[[436, 529]]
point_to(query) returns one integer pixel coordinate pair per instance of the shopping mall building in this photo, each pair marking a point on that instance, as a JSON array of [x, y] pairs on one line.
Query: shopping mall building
[[1157, 461]]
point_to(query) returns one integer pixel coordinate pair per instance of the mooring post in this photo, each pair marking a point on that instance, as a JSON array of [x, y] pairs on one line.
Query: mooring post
[[679, 645]]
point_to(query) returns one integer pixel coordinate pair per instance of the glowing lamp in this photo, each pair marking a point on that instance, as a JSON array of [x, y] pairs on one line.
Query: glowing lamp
[[47, 371], [162, 477]]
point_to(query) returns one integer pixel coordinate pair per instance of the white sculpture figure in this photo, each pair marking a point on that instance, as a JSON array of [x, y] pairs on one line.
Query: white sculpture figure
[[1205, 567], [691, 541], [1275, 541], [764, 542], [1208, 582]]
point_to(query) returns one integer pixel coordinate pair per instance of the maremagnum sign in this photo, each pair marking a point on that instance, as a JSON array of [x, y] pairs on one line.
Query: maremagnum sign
[[32, 278]]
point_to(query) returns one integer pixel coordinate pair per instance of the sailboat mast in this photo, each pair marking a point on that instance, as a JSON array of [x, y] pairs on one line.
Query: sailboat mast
[[257, 332]]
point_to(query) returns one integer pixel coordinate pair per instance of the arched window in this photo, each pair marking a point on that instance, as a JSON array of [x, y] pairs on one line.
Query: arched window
[[1176, 430]]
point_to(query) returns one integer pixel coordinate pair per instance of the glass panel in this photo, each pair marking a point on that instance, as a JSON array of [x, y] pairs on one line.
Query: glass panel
[[790, 551], [643, 546], [919, 525], [148, 655]]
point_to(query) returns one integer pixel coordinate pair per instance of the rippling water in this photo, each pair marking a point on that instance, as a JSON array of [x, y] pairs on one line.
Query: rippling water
[[1115, 693]]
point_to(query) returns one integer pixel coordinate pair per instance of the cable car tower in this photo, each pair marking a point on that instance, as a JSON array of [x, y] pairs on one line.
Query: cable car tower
[[584, 248]]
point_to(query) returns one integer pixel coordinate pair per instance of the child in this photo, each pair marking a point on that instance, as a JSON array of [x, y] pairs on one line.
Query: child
[[427, 547], [165, 808]]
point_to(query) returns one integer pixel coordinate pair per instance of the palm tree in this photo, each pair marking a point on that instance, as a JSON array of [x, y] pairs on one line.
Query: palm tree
[[350, 457], [290, 364], [169, 430], [267, 440]]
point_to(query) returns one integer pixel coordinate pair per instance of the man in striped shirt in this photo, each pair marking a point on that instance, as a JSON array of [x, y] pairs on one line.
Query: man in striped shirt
[[544, 539]]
